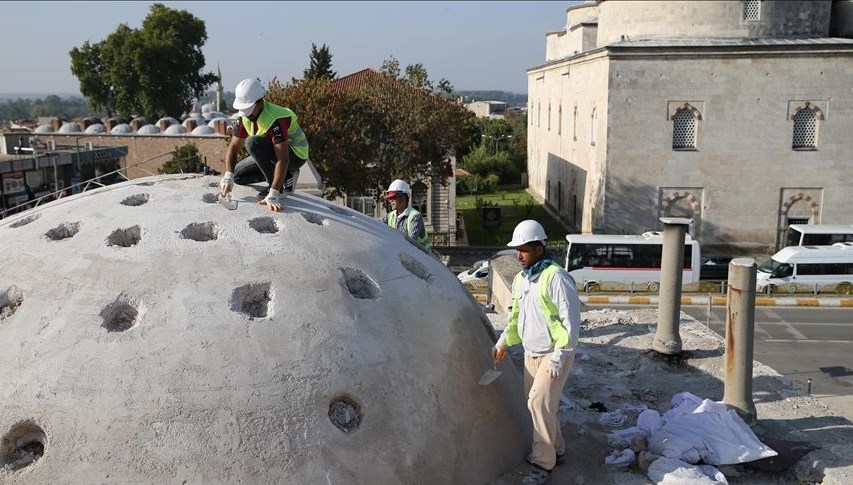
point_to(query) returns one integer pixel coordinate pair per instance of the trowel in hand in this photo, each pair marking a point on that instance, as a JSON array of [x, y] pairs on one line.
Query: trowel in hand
[[490, 375], [226, 201]]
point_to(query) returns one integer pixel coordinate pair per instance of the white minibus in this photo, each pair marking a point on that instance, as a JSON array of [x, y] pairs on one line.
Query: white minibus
[[797, 268], [817, 234], [596, 259]]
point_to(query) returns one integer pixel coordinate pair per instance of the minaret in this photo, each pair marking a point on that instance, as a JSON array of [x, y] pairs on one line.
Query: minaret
[[218, 89]]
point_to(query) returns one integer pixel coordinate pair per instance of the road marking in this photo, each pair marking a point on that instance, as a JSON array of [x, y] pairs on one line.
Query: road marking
[[809, 341]]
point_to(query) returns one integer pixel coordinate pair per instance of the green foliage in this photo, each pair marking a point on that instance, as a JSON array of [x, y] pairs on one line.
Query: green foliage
[[363, 138], [50, 106], [477, 184], [484, 162], [516, 205], [154, 70], [185, 159], [506, 97], [321, 64]]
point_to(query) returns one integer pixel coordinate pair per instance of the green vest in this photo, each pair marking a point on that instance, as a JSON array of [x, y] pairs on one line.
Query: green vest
[[559, 335], [392, 221], [272, 112]]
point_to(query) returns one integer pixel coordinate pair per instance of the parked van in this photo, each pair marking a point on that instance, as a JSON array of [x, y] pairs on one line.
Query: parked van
[[800, 268], [818, 234]]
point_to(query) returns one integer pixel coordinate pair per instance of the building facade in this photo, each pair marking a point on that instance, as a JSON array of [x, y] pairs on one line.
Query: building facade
[[734, 113]]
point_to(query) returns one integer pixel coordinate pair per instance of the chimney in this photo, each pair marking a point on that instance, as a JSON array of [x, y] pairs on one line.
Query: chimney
[[136, 124], [219, 127], [190, 124], [56, 123], [85, 123], [163, 124], [110, 124]]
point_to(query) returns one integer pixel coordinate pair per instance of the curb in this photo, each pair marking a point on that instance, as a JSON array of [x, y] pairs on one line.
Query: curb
[[720, 301]]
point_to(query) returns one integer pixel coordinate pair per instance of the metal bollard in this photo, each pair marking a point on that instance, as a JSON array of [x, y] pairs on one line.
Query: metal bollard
[[667, 339], [816, 288], [740, 332]]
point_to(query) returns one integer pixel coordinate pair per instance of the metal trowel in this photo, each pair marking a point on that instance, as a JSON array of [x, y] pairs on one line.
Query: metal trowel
[[226, 201], [490, 375]]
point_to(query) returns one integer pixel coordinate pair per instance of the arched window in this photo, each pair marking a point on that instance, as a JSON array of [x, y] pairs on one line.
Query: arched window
[[684, 129], [805, 129], [419, 198]]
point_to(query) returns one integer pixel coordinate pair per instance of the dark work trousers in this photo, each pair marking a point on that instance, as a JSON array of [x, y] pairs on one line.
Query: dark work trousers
[[259, 166]]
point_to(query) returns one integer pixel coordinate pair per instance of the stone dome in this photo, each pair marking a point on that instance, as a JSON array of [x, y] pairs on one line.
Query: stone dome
[[202, 130], [69, 128], [213, 121], [121, 129], [148, 130], [170, 120], [174, 340], [176, 129], [95, 129], [45, 128]]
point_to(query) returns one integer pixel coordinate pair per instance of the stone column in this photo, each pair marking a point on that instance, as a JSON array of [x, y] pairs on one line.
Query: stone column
[[667, 339], [740, 337]]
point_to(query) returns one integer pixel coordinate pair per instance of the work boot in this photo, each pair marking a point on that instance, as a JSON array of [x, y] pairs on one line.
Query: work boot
[[290, 181], [537, 476]]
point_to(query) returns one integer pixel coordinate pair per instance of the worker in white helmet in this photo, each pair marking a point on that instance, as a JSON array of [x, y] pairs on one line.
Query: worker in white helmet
[[276, 144], [545, 320], [404, 218]]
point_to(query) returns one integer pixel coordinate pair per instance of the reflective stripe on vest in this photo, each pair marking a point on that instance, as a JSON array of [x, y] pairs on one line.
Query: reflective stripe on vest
[[392, 221], [272, 112], [559, 334]]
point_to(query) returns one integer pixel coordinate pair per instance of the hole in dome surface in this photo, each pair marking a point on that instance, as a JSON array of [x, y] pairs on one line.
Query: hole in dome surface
[[345, 413], [10, 300], [120, 315], [63, 231], [315, 218], [125, 237], [252, 299], [24, 221], [201, 231], [415, 267], [136, 200], [210, 198], [22, 445], [359, 284], [264, 225]]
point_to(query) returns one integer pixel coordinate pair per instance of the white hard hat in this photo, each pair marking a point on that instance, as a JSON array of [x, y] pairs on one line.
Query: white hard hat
[[248, 92], [527, 231], [396, 187]]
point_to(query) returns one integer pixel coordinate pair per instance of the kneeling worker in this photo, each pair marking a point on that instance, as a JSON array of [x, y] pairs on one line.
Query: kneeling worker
[[276, 144]]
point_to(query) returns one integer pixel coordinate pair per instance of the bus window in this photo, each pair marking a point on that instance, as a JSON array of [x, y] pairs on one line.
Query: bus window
[[792, 238]]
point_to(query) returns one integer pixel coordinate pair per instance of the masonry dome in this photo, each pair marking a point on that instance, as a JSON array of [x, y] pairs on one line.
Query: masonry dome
[[168, 119], [148, 130], [202, 130], [95, 129], [45, 128], [176, 129], [152, 336], [69, 128], [121, 129]]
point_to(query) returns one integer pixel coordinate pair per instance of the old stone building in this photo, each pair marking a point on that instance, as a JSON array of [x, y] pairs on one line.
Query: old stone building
[[734, 113]]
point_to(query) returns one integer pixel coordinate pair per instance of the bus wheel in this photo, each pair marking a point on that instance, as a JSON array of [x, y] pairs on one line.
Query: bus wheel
[[792, 288], [654, 287], [844, 289]]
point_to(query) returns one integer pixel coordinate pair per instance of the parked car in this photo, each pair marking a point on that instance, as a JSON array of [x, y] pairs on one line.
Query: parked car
[[480, 271]]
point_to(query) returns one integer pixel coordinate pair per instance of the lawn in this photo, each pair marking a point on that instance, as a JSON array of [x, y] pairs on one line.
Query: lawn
[[516, 205]]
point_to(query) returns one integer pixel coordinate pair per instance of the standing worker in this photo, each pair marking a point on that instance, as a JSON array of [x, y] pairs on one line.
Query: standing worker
[[404, 218], [276, 144], [545, 320]]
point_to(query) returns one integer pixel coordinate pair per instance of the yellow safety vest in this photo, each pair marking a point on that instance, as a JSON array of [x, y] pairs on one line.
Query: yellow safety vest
[[559, 335], [272, 112], [392, 221]]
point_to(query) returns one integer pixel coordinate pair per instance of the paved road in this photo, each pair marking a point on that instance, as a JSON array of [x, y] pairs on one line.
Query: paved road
[[799, 343]]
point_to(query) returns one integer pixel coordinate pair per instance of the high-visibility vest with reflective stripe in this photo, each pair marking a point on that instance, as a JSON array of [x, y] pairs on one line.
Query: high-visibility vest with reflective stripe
[[272, 112], [559, 334], [392, 221]]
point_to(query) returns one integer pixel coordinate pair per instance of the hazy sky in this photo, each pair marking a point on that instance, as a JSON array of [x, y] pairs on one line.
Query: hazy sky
[[475, 45]]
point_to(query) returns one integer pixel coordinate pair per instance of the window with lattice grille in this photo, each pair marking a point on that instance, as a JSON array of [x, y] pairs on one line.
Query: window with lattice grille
[[805, 129], [751, 9], [683, 130]]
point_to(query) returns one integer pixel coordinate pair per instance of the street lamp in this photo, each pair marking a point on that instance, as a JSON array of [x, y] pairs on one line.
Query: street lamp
[[496, 140]]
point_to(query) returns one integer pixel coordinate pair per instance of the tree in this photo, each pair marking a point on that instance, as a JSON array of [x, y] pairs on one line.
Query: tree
[[364, 137], [154, 70], [321, 64], [185, 159]]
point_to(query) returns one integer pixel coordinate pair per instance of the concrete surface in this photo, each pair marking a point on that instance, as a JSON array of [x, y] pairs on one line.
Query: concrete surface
[[149, 335]]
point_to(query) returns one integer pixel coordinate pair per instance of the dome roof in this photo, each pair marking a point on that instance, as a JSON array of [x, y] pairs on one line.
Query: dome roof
[[95, 129], [175, 130], [202, 130], [121, 129], [142, 119], [45, 128], [205, 108], [212, 122], [148, 130], [69, 128], [170, 120], [161, 347]]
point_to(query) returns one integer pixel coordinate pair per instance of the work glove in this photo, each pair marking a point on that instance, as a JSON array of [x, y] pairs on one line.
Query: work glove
[[227, 182], [555, 363], [273, 201], [499, 350]]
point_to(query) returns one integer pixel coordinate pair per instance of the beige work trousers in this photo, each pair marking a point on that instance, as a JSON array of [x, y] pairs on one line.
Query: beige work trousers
[[543, 401]]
